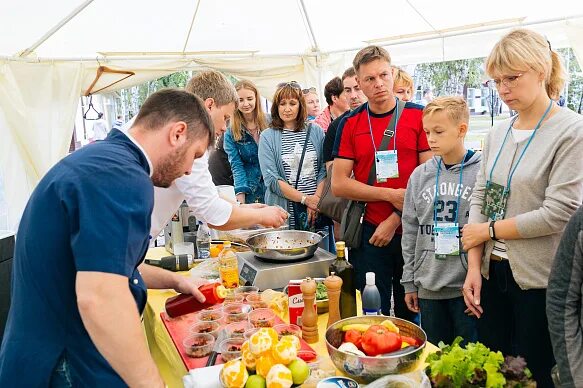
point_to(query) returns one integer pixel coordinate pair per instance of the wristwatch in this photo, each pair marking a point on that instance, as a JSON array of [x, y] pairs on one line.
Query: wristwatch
[[398, 212], [303, 201], [492, 231]]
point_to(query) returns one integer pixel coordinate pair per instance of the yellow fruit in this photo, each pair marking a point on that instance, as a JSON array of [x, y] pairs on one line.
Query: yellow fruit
[[293, 340], [284, 352], [248, 358], [215, 250], [390, 325], [356, 326], [261, 342], [264, 364], [271, 332], [279, 377], [234, 374]]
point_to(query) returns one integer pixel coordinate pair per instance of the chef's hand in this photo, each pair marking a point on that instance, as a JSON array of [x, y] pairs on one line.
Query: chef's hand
[[474, 235], [384, 233], [188, 285], [273, 216]]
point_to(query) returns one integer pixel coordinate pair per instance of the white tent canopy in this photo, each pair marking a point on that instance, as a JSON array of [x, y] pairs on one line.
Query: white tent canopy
[[51, 52]]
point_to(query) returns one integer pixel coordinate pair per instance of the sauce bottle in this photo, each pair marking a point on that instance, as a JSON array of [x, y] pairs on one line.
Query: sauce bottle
[[345, 271], [228, 266], [184, 304]]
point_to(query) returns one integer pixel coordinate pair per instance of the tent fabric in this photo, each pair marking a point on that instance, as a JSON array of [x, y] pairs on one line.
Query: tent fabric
[[55, 48]]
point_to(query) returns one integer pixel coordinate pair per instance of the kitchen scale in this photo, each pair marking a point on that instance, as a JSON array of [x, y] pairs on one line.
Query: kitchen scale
[[276, 275]]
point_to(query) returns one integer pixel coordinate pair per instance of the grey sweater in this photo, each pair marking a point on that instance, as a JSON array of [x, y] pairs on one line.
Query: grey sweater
[[565, 303], [435, 278], [547, 188]]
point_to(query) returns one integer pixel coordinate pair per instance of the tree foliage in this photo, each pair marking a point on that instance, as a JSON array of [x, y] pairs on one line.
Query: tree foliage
[[574, 87], [450, 77]]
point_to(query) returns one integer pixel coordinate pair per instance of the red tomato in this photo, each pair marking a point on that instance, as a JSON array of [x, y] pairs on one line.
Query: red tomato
[[355, 337], [379, 340], [411, 341]]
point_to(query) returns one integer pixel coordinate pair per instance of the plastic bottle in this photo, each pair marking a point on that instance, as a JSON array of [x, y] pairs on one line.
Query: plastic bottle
[[371, 298], [203, 241], [186, 303], [343, 269], [228, 266]]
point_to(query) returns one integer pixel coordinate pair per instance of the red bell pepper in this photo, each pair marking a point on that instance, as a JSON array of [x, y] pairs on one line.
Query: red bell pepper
[[379, 340]]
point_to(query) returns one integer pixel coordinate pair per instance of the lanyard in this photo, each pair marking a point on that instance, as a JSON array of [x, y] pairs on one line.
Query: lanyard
[[457, 212], [396, 122], [513, 169]]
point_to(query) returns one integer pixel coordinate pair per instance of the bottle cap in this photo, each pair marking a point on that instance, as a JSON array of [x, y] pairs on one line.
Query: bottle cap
[[370, 278], [340, 246]]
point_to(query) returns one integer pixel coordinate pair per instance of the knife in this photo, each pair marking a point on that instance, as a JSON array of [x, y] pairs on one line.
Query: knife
[[213, 356]]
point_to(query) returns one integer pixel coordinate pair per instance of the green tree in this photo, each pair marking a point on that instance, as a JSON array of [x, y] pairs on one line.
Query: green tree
[[574, 86], [450, 77]]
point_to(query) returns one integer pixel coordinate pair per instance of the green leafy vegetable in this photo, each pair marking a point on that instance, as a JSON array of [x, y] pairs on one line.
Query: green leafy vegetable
[[321, 291]]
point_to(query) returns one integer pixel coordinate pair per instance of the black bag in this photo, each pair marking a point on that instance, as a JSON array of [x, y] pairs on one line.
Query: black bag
[[301, 211], [351, 224]]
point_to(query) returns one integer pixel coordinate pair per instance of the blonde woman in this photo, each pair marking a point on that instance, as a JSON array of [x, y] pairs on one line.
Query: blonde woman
[[402, 84], [529, 184], [241, 144]]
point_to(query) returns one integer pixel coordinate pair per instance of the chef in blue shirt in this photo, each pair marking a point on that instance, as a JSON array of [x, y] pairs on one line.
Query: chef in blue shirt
[[79, 285]]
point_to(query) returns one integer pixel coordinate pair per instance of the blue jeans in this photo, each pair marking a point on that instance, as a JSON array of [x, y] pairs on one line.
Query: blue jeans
[[387, 264], [444, 319], [61, 377]]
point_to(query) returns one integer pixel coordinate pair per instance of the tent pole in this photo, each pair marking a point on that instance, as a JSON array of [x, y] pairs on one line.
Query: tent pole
[[311, 30], [56, 28], [191, 25]]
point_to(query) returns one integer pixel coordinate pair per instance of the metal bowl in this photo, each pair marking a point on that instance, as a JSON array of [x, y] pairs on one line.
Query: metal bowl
[[322, 305], [284, 245], [366, 369]]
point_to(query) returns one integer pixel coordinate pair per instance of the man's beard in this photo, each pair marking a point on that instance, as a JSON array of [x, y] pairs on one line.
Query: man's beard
[[169, 168]]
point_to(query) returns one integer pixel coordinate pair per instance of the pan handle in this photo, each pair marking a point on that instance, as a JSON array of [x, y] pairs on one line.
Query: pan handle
[[322, 233]]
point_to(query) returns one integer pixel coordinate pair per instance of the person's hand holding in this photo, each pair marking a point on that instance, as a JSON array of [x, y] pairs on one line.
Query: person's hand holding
[[412, 301], [273, 216], [472, 290], [474, 235], [188, 285], [384, 233], [312, 202]]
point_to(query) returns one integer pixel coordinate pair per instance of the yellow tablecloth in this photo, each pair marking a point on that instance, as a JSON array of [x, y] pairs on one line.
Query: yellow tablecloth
[[165, 353]]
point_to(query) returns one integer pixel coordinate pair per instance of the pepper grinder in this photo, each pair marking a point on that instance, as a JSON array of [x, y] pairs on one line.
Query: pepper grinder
[[309, 315], [333, 284]]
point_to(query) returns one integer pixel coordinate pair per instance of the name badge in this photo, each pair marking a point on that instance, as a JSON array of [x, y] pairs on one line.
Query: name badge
[[447, 242], [386, 165], [495, 199]]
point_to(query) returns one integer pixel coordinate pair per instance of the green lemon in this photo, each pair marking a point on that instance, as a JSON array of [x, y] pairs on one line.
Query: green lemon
[[255, 381], [300, 371]]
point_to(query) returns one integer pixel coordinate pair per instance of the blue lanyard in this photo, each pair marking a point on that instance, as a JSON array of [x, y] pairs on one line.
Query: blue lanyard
[[396, 122], [457, 212], [513, 169]]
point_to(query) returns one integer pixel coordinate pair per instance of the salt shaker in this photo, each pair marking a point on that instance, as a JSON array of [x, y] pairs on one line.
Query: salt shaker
[[309, 315], [333, 284]]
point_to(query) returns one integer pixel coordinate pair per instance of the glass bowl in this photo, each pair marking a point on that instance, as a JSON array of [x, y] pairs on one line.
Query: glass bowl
[[234, 298], [230, 348], [210, 316], [198, 345], [249, 332], [236, 312], [210, 327], [262, 318], [246, 290], [237, 329], [288, 329]]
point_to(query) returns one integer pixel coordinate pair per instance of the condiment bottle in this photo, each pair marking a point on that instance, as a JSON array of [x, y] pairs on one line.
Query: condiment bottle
[[184, 303], [309, 315], [228, 266], [345, 271], [333, 284]]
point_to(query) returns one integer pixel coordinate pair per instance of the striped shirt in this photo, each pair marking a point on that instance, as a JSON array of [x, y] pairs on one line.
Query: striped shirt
[[292, 144]]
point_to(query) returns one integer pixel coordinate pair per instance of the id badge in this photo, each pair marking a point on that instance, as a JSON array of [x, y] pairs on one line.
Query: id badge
[[447, 241], [494, 205], [386, 165]]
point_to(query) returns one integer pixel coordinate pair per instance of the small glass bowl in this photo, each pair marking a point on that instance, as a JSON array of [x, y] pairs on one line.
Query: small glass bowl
[[231, 348], [246, 290], [288, 329], [234, 298], [198, 345], [237, 329], [262, 318], [236, 312], [250, 332], [214, 307], [209, 327], [211, 316], [254, 300]]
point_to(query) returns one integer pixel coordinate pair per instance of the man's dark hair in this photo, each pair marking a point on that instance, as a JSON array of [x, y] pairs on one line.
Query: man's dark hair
[[334, 87], [172, 105], [349, 73]]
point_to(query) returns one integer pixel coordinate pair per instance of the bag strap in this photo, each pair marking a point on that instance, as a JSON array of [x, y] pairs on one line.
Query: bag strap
[[303, 154], [387, 136]]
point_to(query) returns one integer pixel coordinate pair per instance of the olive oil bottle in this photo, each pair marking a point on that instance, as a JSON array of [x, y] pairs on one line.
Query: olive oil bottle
[[342, 268]]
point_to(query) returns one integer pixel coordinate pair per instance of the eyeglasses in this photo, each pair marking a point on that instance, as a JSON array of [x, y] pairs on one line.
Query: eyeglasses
[[292, 84], [510, 81], [310, 90]]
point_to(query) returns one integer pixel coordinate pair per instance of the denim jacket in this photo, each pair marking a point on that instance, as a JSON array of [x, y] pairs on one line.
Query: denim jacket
[[271, 162], [245, 166]]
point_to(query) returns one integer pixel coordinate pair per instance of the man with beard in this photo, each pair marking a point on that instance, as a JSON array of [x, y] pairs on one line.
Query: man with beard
[[79, 285]]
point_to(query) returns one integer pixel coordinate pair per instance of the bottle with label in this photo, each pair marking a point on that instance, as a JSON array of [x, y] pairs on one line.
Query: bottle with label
[[371, 298], [228, 266], [345, 271], [185, 303], [203, 241]]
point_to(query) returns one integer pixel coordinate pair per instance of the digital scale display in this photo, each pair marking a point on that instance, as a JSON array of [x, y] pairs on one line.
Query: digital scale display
[[247, 274]]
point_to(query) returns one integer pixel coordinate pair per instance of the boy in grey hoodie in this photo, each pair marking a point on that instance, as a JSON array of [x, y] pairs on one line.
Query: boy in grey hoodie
[[437, 205]]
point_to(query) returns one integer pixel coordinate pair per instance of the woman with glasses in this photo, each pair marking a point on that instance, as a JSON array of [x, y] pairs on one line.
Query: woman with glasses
[[241, 144], [290, 156], [529, 184]]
